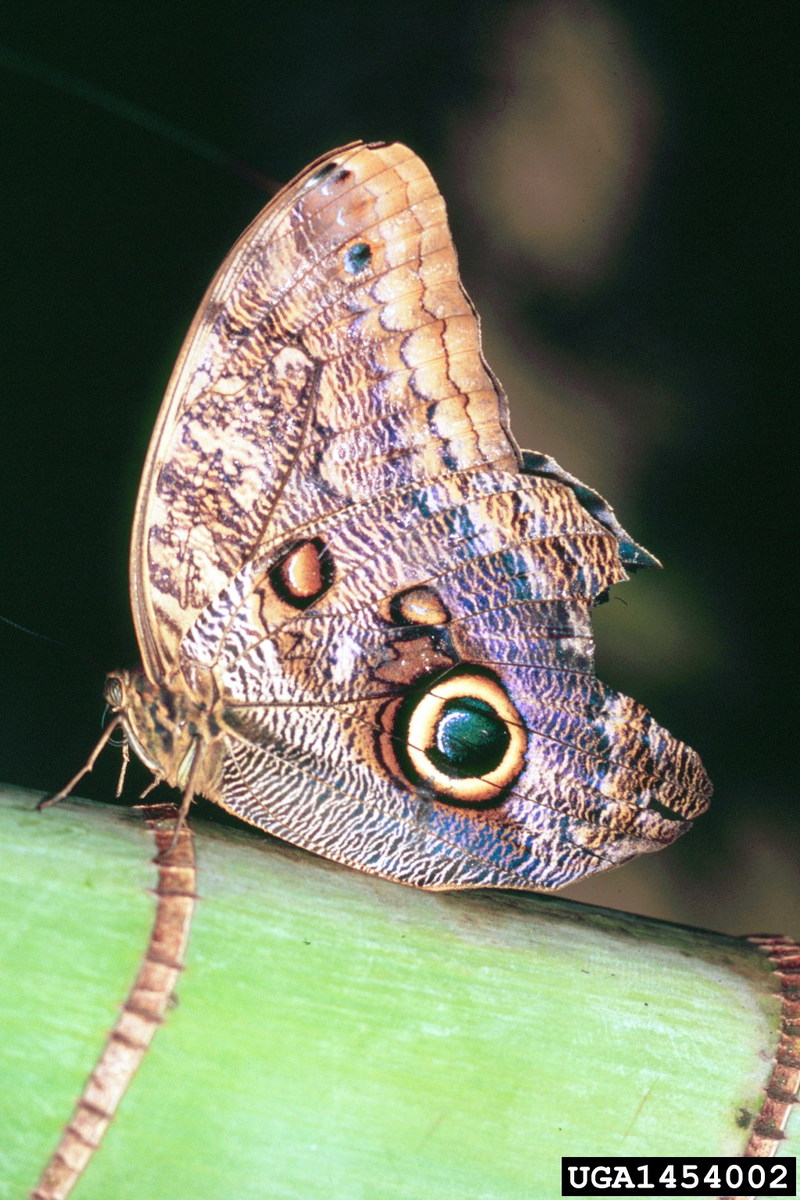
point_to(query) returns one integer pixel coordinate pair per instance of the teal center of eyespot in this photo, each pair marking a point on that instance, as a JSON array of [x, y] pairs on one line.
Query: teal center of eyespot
[[470, 739], [356, 258]]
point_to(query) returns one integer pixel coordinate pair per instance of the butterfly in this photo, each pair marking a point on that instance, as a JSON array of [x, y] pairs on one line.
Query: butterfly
[[363, 612]]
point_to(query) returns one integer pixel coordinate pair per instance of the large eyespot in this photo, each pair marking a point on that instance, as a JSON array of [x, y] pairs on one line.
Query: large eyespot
[[465, 739]]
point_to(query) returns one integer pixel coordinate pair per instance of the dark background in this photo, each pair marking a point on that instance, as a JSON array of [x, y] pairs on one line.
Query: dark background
[[619, 182]]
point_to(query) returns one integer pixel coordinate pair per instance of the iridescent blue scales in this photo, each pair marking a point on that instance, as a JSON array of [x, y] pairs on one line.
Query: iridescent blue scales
[[364, 615]]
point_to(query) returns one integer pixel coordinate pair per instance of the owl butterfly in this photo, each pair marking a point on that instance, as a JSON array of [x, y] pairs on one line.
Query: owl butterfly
[[363, 613]]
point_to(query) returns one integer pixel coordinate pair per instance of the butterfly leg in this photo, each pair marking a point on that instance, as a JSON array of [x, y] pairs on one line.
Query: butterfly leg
[[154, 782], [188, 794], [85, 769], [126, 758]]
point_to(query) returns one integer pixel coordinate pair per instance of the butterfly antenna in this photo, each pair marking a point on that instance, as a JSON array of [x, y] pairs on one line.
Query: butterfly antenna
[[45, 637], [133, 114]]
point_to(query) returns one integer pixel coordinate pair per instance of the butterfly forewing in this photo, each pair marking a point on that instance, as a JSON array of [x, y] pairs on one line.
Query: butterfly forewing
[[307, 380]]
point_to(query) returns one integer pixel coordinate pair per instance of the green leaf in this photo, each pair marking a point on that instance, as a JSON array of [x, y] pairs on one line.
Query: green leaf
[[341, 1036]]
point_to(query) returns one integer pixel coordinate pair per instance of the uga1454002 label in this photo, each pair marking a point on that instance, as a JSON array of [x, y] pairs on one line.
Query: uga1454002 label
[[654, 1177]]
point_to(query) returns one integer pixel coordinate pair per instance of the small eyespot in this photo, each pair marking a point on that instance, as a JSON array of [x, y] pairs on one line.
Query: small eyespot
[[322, 173], [418, 606], [303, 574], [356, 258], [464, 738]]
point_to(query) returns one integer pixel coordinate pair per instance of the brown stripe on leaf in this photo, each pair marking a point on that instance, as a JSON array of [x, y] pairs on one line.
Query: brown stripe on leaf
[[784, 1086], [142, 1012]]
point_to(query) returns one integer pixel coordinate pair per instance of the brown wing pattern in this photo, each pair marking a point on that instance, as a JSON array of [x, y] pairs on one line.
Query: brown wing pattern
[[332, 351], [311, 701], [364, 616]]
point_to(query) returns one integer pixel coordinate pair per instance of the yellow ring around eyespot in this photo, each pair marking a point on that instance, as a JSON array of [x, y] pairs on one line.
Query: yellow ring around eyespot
[[422, 735]]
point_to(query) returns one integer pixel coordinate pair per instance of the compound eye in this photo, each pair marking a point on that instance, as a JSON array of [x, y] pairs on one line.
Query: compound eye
[[465, 739], [113, 692]]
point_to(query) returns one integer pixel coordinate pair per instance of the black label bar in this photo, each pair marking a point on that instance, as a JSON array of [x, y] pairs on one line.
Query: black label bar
[[658, 1177]]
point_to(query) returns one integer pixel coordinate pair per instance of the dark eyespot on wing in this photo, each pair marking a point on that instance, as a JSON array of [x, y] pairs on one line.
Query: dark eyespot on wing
[[357, 258], [303, 574], [460, 739], [470, 739], [419, 606], [322, 173]]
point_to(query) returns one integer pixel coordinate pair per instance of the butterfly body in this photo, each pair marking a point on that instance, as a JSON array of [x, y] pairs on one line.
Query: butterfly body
[[364, 614]]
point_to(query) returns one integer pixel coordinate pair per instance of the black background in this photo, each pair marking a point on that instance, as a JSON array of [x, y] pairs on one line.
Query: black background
[[111, 232]]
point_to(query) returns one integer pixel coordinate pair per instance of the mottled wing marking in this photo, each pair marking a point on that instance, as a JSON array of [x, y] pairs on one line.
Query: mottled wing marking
[[574, 811], [599, 771], [331, 441], [254, 438]]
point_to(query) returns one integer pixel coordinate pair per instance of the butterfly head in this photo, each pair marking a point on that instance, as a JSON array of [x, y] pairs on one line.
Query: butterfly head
[[164, 728]]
